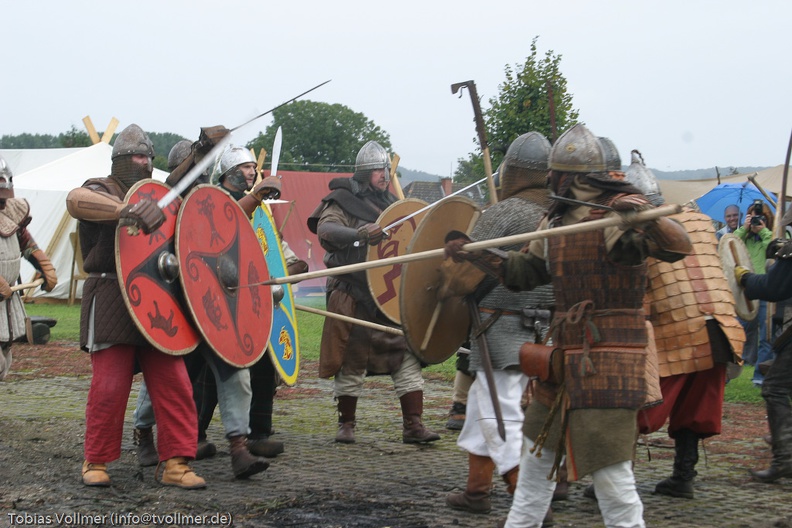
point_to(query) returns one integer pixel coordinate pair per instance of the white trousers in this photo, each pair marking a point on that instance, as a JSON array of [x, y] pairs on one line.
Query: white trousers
[[618, 499], [479, 435]]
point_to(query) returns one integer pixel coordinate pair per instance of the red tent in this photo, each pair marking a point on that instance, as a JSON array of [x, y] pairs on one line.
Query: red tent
[[304, 191]]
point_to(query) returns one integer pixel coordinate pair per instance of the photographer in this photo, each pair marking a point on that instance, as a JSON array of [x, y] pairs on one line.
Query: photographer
[[757, 233]]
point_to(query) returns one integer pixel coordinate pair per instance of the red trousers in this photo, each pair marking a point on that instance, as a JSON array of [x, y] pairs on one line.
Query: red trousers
[[690, 401], [171, 395]]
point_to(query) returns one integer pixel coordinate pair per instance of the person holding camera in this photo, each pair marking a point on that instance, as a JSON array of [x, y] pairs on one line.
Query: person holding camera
[[757, 233]]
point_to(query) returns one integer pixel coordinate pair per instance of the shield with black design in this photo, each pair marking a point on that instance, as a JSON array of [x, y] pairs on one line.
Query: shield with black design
[[284, 342], [435, 328], [384, 282], [147, 272], [732, 252], [222, 271]]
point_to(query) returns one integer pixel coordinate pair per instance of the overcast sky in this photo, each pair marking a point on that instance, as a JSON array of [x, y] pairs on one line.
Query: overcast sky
[[690, 83]]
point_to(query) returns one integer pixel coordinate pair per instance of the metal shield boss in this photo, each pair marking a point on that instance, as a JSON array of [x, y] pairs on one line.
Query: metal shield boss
[[222, 268], [148, 275], [435, 329], [284, 343], [732, 252], [384, 282]]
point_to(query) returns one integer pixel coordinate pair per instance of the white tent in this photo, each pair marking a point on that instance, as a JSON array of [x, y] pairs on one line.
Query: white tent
[[45, 186]]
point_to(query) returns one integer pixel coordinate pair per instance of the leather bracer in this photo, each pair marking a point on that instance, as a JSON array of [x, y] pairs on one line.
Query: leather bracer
[[93, 206]]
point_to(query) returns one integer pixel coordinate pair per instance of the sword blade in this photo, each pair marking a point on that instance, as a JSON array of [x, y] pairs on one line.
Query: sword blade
[[276, 150]]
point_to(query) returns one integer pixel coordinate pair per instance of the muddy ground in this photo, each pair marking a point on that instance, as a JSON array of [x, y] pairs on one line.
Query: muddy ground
[[377, 482]]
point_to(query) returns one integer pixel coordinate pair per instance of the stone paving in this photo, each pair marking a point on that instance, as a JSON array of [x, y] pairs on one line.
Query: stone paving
[[377, 482]]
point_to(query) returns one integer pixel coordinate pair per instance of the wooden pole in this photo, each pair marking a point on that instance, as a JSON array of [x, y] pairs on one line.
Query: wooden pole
[[91, 130], [361, 322], [111, 128], [625, 221], [394, 177]]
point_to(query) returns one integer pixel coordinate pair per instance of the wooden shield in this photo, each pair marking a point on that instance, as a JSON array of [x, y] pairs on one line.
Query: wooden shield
[[384, 282], [732, 252], [154, 300], [284, 343], [222, 268], [435, 329]]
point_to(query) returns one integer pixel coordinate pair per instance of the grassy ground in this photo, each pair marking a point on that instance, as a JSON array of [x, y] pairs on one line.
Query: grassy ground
[[739, 390]]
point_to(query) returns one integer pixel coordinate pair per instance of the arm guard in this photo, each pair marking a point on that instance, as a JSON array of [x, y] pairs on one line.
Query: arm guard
[[87, 204], [337, 235]]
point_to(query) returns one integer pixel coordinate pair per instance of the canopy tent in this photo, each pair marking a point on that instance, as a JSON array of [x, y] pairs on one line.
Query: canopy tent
[[683, 191], [45, 184]]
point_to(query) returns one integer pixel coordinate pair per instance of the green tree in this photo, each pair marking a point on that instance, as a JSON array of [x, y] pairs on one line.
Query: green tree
[[319, 137], [523, 104], [74, 138]]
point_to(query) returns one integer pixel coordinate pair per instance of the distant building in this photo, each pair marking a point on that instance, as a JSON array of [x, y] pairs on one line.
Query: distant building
[[431, 192]]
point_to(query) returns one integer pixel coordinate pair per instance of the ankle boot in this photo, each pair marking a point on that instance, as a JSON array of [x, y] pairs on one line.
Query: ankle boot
[[205, 448], [456, 416], [680, 483], [561, 492], [476, 497], [177, 472], [414, 431], [145, 448], [510, 478], [243, 463], [95, 474], [347, 405], [780, 422], [263, 446]]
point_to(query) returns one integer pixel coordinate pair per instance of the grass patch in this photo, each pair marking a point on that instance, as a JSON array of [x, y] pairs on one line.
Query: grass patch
[[68, 326], [742, 389]]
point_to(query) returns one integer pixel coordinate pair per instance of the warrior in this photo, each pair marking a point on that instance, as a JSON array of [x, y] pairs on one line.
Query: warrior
[[345, 222], [16, 242], [598, 328], [109, 334], [524, 200]]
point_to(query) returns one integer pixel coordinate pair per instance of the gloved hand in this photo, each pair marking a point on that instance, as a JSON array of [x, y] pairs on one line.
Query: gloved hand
[[371, 234], [145, 214], [739, 273], [207, 139], [5, 289], [631, 202], [268, 189], [454, 241], [47, 270], [774, 246]]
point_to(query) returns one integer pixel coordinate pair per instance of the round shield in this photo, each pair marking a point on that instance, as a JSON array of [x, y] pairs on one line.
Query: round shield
[[148, 275], [384, 282], [222, 268], [434, 328], [732, 252], [284, 344]]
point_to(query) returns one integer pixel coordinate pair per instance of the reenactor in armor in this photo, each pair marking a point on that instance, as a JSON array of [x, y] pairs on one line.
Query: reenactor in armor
[[599, 280], [524, 199], [16, 242], [776, 286], [109, 334], [345, 222]]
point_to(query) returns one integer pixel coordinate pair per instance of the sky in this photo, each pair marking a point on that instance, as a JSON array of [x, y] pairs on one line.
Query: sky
[[690, 83]]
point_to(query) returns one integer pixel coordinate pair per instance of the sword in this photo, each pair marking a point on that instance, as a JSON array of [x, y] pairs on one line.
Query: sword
[[276, 148], [421, 210], [486, 362]]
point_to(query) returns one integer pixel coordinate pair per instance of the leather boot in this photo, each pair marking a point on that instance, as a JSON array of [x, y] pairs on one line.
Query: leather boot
[[243, 463], [680, 483], [780, 423], [177, 472], [510, 478], [561, 492], [346, 419], [145, 448], [205, 448], [476, 497], [456, 416], [414, 431], [263, 446], [95, 474]]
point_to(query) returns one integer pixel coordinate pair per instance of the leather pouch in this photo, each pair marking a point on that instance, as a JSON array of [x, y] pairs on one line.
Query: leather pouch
[[542, 361]]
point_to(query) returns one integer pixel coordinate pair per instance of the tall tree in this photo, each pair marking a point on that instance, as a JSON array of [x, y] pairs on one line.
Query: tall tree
[[533, 97], [319, 137]]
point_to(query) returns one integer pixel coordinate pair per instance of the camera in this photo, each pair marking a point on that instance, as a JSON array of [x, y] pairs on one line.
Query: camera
[[756, 211]]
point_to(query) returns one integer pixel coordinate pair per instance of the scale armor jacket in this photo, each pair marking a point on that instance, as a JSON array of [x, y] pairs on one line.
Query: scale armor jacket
[[682, 295]]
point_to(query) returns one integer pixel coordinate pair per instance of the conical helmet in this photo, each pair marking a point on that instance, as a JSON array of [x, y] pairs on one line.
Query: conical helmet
[[612, 158], [577, 150], [6, 180], [371, 156], [642, 178], [179, 153], [229, 159], [524, 165], [132, 140]]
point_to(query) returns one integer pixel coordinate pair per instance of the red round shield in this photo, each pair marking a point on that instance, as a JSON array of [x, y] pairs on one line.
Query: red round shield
[[221, 270], [154, 300]]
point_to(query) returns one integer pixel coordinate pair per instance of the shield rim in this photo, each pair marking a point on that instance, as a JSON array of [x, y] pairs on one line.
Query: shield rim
[[121, 281], [747, 310], [291, 315], [193, 192], [462, 318], [371, 255]]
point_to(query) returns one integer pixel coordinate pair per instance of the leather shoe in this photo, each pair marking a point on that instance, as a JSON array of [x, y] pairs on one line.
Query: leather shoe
[[95, 474]]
